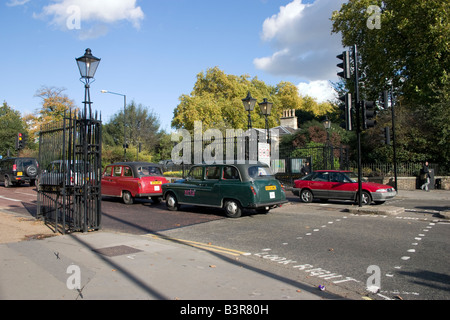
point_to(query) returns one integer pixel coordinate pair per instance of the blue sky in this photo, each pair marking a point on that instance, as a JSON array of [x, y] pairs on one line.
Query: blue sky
[[152, 50]]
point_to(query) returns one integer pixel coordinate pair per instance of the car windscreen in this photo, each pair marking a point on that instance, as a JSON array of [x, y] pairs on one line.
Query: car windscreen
[[260, 172], [145, 171]]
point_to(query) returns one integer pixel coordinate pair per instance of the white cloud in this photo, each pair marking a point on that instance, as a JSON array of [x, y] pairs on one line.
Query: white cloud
[[320, 90], [14, 3], [93, 16], [300, 35]]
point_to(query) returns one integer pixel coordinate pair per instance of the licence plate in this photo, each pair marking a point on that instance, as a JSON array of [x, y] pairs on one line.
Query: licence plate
[[271, 188], [156, 182], [19, 174]]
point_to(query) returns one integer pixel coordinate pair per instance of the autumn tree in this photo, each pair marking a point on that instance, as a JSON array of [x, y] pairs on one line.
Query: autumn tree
[[216, 100]]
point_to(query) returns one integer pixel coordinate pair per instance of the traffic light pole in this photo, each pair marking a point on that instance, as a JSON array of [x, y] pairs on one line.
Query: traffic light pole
[[358, 123], [393, 137]]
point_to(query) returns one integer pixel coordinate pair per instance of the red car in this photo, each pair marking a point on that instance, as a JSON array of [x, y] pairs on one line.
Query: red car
[[130, 180], [342, 185]]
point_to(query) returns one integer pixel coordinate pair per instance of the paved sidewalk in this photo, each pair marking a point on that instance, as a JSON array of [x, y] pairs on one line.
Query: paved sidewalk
[[122, 266]]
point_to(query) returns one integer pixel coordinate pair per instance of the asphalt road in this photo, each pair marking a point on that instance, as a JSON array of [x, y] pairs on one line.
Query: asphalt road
[[399, 257]]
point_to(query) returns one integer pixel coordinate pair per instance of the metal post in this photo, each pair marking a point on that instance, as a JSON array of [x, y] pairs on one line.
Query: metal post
[[393, 136], [358, 124]]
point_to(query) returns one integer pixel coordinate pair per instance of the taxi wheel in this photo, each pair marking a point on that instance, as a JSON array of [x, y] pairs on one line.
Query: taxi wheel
[[171, 202], [232, 209], [127, 197], [306, 196]]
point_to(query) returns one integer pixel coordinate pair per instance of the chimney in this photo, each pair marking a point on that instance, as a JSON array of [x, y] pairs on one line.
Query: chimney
[[289, 119]]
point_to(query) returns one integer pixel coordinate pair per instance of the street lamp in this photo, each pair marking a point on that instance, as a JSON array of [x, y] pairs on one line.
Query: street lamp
[[124, 120], [266, 107], [249, 104], [326, 123], [87, 64]]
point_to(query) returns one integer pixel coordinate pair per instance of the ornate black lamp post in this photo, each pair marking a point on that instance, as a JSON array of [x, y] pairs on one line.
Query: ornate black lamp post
[[249, 104], [266, 107], [87, 64]]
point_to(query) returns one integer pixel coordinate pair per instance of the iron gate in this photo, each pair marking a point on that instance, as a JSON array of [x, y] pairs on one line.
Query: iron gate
[[69, 185]]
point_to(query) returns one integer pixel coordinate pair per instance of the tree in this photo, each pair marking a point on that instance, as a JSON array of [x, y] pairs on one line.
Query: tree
[[54, 104], [216, 100], [411, 47], [11, 124], [141, 127]]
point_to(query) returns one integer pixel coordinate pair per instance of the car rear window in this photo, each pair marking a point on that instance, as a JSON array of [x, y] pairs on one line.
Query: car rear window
[[259, 172], [25, 162], [145, 171]]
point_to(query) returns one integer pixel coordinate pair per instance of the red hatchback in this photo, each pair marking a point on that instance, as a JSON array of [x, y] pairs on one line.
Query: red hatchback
[[342, 185], [130, 180]]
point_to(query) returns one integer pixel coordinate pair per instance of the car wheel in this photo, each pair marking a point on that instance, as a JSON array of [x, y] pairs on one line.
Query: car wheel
[[172, 203], [7, 182], [31, 171], [232, 209], [306, 196], [366, 199], [127, 197]]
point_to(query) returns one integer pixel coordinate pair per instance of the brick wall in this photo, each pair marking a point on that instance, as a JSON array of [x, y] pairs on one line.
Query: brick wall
[[410, 183]]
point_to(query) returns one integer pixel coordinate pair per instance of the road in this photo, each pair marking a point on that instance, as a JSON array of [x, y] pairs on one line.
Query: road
[[397, 257]]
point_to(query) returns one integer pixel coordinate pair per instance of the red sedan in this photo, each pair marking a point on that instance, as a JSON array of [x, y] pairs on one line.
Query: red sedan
[[342, 185]]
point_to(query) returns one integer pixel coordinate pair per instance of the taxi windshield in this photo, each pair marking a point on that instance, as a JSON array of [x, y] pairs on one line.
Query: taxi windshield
[[149, 171], [259, 172]]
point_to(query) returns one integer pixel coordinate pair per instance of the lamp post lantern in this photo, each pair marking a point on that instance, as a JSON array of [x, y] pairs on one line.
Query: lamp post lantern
[[87, 64], [249, 104], [266, 108]]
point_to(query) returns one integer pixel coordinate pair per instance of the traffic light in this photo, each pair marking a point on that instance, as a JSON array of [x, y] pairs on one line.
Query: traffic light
[[347, 108], [368, 113], [19, 141], [344, 65]]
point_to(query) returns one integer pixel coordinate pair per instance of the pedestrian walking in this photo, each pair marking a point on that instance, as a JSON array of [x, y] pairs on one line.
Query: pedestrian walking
[[425, 176]]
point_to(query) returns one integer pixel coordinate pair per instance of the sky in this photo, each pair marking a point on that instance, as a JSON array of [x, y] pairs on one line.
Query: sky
[[152, 50]]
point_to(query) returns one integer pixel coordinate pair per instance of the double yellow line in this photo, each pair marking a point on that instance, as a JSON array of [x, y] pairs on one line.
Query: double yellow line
[[200, 245]]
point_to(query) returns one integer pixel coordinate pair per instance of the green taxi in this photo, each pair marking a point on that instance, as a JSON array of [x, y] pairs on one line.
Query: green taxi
[[233, 187]]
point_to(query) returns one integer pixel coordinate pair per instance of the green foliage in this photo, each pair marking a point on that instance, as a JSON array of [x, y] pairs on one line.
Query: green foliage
[[216, 100], [11, 124], [142, 127], [411, 49]]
